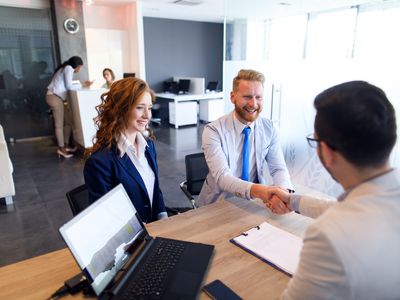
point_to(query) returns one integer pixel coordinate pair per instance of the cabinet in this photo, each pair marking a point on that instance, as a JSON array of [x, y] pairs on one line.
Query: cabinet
[[184, 113], [211, 109]]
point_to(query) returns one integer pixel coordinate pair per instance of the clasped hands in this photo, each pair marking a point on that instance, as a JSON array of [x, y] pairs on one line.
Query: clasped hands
[[275, 198]]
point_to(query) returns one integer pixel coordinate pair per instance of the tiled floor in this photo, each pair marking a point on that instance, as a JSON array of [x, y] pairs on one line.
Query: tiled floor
[[30, 226]]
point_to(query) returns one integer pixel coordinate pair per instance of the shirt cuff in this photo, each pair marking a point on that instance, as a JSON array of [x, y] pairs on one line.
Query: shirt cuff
[[247, 193], [162, 215], [295, 203]]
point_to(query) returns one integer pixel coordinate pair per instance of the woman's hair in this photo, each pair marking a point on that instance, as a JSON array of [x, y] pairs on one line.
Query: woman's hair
[[111, 72], [115, 109], [74, 62]]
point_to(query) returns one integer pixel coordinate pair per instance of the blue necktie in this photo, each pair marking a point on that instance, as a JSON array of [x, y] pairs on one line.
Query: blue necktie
[[246, 153]]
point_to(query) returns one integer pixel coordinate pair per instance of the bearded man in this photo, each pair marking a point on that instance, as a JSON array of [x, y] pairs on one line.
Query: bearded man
[[241, 146]]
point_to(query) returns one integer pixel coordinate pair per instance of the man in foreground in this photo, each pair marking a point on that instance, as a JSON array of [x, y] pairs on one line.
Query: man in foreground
[[352, 249]]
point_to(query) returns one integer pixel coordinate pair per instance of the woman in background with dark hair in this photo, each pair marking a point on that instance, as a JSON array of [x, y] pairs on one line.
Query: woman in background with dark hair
[[56, 98], [123, 151], [109, 76]]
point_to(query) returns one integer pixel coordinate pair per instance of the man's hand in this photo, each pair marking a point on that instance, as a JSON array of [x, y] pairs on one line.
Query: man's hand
[[275, 198]]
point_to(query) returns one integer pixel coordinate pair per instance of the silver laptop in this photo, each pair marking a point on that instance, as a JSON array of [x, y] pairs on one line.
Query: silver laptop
[[120, 259]]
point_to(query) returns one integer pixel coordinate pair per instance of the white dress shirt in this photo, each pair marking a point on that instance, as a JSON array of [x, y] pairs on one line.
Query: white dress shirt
[[222, 143], [352, 250], [237, 169], [61, 83], [139, 160]]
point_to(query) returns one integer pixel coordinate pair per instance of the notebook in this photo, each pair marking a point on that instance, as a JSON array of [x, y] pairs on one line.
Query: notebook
[[120, 259], [275, 246]]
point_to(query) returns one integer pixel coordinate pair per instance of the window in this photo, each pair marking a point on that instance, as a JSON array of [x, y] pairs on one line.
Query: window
[[287, 37], [331, 35]]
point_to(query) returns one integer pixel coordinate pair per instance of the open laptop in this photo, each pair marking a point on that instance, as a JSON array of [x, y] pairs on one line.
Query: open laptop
[[120, 259]]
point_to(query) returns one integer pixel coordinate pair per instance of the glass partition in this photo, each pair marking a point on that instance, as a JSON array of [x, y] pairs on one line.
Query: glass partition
[[302, 53], [26, 66]]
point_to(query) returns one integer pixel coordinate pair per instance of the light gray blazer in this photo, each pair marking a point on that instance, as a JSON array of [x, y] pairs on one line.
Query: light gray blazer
[[218, 144], [352, 251]]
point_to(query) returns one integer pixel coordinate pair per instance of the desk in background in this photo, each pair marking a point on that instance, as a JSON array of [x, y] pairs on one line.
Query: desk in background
[[216, 224], [83, 104], [183, 108]]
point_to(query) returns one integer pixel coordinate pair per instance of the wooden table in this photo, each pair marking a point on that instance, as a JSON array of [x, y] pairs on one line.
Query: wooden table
[[216, 224]]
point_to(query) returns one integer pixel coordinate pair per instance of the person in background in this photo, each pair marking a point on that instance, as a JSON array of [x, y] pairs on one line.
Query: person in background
[[56, 98], [124, 151], [352, 249], [239, 146], [109, 76]]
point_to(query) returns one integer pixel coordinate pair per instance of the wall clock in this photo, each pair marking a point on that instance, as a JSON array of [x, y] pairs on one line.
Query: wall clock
[[71, 25]]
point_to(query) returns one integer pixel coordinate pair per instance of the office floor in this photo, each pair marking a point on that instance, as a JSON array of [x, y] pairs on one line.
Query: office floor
[[30, 226]]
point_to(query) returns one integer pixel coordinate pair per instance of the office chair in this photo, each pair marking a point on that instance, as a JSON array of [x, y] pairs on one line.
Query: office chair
[[196, 173], [155, 110], [78, 199]]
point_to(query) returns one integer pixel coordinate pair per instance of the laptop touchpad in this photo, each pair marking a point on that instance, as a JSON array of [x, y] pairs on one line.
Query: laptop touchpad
[[185, 283]]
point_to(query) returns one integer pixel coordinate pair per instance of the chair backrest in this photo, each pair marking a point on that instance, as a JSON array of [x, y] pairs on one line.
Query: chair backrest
[[78, 199], [196, 172]]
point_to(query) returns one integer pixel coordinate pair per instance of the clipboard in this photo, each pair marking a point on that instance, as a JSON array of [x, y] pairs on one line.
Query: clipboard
[[275, 246]]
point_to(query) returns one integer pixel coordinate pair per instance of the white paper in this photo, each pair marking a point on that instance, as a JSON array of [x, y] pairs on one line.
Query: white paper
[[273, 244]]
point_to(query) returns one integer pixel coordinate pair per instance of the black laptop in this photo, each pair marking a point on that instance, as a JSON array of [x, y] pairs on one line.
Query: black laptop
[[120, 259]]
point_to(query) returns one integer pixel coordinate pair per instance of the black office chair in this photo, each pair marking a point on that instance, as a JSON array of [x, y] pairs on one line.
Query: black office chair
[[78, 199], [196, 173]]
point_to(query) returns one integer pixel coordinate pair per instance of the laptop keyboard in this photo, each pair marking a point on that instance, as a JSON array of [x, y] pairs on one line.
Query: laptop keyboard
[[150, 282]]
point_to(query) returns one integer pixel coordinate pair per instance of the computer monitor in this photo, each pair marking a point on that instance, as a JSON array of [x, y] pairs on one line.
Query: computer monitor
[[212, 86], [184, 85], [171, 87], [125, 75]]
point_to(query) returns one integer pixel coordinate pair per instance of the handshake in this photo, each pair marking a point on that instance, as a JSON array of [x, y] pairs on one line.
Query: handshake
[[276, 199]]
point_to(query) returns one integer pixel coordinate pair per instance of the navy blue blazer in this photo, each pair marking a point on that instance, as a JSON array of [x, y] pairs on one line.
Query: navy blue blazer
[[105, 169]]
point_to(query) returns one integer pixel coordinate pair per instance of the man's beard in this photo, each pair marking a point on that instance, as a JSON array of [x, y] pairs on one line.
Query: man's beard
[[323, 163], [242, 113]]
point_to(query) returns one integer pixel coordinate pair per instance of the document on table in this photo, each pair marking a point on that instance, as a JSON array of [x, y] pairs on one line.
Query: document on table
[[275, 246]]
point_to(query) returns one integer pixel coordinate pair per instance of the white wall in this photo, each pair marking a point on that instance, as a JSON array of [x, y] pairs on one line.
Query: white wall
[[107, 48], [113, 40]]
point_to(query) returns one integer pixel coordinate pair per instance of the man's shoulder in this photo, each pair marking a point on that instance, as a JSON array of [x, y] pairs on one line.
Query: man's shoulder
[[224, 122], [265, 122]]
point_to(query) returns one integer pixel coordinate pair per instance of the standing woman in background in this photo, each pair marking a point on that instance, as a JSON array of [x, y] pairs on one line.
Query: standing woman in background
[[123, 151], [109, 76], [56, 98]]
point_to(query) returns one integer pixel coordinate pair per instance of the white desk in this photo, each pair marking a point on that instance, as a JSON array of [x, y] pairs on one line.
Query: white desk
[[7, 188], [183, 108], [83, 104]]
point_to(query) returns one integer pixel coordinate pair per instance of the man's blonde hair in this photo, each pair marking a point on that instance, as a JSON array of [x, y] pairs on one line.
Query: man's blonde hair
[[250, 75]]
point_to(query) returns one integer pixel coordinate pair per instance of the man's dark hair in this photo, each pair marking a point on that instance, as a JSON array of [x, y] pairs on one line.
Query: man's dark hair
[[356, 119]]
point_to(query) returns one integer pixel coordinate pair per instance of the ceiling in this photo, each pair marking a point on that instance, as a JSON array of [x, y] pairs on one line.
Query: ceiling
[[215, 10]]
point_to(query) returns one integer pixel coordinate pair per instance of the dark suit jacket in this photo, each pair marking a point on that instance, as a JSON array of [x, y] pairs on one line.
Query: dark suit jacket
[[105, 169]]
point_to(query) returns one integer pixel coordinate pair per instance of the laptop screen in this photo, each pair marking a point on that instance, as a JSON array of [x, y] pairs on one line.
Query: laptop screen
[[100, 236]]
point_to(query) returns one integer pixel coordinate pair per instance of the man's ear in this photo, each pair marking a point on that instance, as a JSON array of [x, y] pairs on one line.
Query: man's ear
[[327, 153], [232, 97]]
